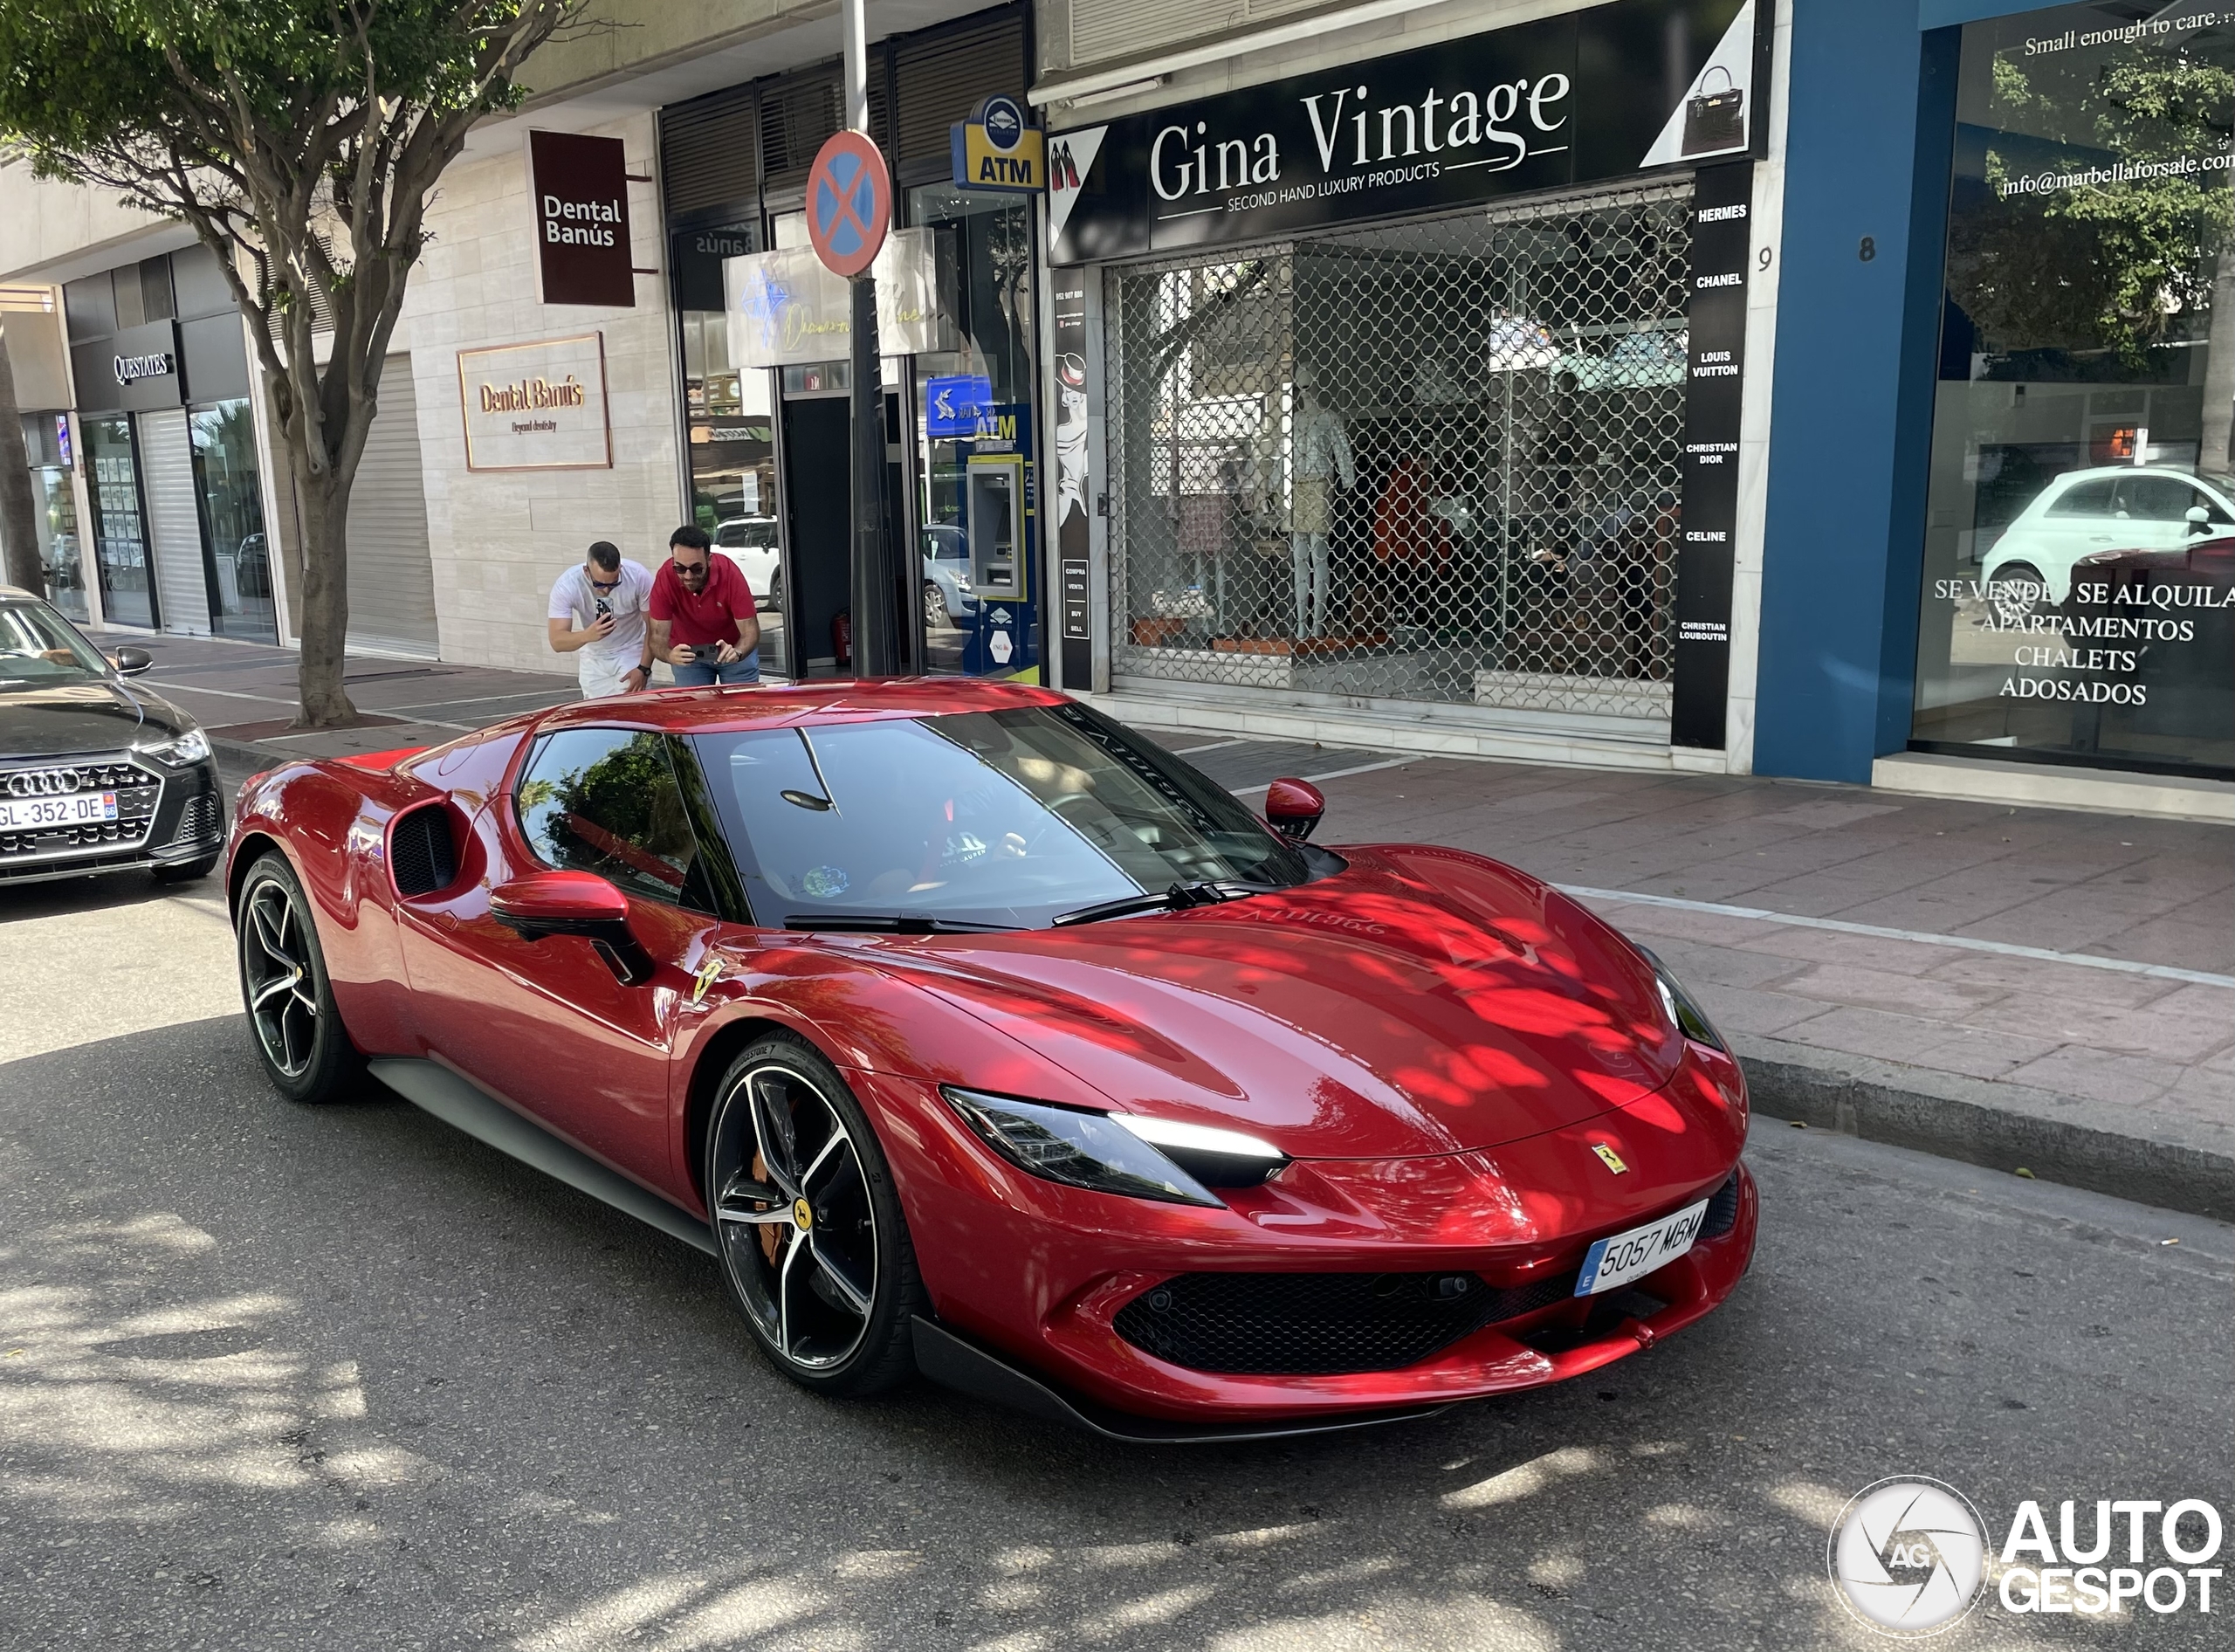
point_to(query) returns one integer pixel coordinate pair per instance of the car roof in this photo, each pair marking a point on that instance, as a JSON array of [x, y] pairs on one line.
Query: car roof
[[700, 710]]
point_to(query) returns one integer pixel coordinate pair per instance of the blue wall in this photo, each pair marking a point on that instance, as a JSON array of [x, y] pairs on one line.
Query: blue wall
[[1866, 154]]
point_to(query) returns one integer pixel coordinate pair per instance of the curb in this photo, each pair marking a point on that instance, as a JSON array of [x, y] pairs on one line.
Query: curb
[[1996, 1127]]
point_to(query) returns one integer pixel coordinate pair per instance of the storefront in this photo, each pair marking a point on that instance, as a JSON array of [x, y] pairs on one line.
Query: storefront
[[1411, 389], [764, 334], [2078, 602], [161, 377]]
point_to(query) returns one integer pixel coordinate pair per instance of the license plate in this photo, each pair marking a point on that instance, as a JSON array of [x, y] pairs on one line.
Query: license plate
[[43, 814], [1613, 1263]]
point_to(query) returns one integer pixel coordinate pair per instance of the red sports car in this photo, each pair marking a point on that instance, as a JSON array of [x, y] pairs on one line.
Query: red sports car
[[974, 1034]]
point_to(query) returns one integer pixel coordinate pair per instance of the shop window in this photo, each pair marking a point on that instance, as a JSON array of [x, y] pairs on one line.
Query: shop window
[[54, 512], [1430, 461], [120, 523], [238, 560], [730, 419], [2079, 592]]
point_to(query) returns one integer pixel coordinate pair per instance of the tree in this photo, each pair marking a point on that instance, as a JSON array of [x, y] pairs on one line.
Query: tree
[[301, 140], [18, 525]]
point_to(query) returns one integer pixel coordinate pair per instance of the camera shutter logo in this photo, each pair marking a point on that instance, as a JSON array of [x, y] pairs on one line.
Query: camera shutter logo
[[42, 782], [1907, 1556]]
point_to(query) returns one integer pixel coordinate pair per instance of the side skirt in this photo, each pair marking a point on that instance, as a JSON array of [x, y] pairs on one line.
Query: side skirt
[[464, 1105]]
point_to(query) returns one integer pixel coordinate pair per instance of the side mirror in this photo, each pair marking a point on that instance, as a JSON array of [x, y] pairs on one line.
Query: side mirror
[[582, 904], [1293, 809], [130, 661], [2200, 520]]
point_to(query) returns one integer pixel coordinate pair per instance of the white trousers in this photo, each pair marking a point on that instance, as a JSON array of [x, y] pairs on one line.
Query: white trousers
[[602, 677], [1308, 561]]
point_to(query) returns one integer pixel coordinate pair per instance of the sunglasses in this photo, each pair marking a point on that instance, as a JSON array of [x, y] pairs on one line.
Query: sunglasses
[[604, 585], [686, 569]]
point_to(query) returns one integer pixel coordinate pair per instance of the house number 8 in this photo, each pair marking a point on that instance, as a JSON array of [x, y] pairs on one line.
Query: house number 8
[[1867, 250]]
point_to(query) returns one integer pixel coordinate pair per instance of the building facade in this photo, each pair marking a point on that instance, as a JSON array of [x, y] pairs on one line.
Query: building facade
[[1834, 388]]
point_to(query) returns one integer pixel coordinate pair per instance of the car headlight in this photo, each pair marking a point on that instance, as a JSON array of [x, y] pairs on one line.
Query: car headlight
[[1123, 1153], [1683, 1009], [193, 747]]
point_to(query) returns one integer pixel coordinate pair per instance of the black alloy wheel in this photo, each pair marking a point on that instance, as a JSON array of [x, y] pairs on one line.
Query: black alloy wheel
[[306, 1049], [808, 1226]]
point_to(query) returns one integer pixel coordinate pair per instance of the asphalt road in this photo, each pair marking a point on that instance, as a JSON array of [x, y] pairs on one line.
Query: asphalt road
[[275, 1377]]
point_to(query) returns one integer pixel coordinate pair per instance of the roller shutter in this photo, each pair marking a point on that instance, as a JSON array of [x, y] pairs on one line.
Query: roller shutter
[[945, 75], [391, 572], [166, 471], [707, 154], [1105, 33]]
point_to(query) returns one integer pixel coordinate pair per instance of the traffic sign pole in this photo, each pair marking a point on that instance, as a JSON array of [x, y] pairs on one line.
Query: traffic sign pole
[[882, 635]]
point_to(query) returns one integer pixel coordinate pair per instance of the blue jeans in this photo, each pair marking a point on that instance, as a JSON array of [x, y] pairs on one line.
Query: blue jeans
[[745, 668]]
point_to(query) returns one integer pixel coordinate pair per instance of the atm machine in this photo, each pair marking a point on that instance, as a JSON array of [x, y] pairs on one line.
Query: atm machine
[[1004, 639]]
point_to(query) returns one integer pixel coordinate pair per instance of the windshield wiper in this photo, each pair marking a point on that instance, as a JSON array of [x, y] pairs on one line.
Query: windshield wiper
[[1179, 898], [891, 924]]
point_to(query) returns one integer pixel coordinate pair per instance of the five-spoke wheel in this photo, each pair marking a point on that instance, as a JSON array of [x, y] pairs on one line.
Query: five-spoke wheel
[[306, 1053], [810, 1233]]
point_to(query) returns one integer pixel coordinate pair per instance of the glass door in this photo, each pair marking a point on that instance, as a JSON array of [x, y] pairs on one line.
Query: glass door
[[120, 524], [235, 558]]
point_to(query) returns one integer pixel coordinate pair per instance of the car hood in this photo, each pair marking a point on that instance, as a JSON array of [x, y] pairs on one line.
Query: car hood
[[71, 717], [1424, 1000]]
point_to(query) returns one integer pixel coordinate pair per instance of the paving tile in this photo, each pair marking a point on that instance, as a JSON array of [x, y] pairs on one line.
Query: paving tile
[[2179, 939], [2099, 1075], [1831, 947], [1982, 1055], [1741, 1009], [2182, 1038], [2205, 1093], [1877, 1032], [1910, 994], [1698, 962], [1639, 919], [2069, 981]]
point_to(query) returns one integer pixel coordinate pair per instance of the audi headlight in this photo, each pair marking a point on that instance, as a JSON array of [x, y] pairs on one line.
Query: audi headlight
[[1125, 1153], [1683, 1008], [193, 747]]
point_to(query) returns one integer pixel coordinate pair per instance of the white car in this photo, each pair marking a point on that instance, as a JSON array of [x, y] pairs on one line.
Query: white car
[[751, 542], [2118, 508]]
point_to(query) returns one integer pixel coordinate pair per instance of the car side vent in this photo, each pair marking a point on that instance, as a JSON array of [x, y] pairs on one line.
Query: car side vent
[[424, 858]]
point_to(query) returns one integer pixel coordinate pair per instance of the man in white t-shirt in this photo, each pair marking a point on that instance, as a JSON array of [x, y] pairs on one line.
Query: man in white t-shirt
[[597, 615]]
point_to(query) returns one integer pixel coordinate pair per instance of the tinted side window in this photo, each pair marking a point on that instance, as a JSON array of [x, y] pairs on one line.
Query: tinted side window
[[605, 801], [2215, 512], [2089, 499], [2155, 499]]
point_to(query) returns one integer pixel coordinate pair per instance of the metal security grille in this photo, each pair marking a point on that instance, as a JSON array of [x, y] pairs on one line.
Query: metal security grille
[[1428, 461]]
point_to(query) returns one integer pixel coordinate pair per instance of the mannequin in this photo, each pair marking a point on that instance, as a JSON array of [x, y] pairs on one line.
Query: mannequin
[[1322, 462]]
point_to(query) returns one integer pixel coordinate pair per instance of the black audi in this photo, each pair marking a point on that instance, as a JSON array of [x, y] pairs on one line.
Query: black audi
[[97, 775]]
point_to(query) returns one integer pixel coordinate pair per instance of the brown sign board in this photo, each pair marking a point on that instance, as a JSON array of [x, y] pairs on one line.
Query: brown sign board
[[581, 186]]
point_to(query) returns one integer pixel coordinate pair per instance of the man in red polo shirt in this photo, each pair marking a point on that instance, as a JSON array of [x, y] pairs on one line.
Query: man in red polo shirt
[[704, 622]]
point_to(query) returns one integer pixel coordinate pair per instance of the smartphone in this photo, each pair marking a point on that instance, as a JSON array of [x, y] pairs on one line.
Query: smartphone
[[604, 608], [706, 653]]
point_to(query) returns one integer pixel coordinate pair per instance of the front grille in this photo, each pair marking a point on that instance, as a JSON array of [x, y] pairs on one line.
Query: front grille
[[1334, 1324], [137, 792]]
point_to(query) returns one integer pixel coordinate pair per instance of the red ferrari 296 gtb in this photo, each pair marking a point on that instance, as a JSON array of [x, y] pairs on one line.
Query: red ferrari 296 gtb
[[973, 1034]]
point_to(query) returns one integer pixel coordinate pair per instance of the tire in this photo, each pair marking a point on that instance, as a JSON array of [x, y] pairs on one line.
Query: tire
[[299, 1038], [188, 872], [828, 1290], [935, 617], [776, 592]]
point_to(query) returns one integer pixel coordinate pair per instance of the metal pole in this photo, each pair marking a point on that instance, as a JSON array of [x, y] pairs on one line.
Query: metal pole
[[878, 650]]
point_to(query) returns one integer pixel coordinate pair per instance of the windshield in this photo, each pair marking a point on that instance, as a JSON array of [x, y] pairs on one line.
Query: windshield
[[39, 648], [1007, 817]]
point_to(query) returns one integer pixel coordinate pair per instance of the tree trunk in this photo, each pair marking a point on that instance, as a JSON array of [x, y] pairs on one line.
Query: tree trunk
[[2219, 370], [19, 517], [322, 613]]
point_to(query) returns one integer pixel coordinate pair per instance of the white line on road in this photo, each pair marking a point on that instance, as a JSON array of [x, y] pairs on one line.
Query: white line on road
[[1333, 774], [222, 693], [1215, 746], [1966, 943]]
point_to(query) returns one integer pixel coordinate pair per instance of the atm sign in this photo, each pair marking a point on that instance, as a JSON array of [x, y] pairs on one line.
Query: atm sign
[[996, 149]]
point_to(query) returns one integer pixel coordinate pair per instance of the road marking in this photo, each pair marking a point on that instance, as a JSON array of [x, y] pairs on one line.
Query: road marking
[[222, 693], [1964, 943], [1215, 746], [1335, 774]]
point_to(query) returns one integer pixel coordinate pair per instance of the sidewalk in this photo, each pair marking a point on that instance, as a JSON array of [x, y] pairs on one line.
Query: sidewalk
[[2014, 987]]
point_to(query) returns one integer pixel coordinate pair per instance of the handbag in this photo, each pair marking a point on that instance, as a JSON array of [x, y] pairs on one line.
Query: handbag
[[1715, 122]]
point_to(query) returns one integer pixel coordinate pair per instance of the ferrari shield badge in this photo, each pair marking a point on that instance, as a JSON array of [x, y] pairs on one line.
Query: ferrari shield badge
[[1609, 1158], [707, 970]]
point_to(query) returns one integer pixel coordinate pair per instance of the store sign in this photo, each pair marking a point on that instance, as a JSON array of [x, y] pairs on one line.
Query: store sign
[[143, 364], [1714, 396], [536, 407], [1073, 482], [952, 405], [786, 309], [1613, 90], [161, 364], [997, 150], [581, 186]]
